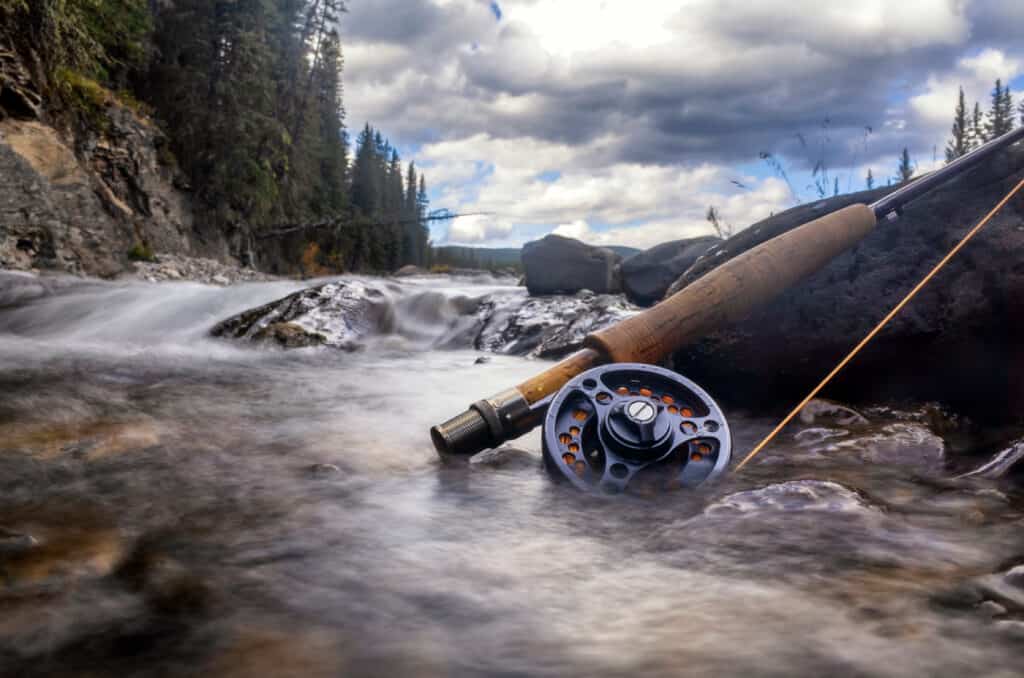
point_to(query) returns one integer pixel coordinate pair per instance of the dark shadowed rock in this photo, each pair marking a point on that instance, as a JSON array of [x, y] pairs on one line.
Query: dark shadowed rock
[[555, 264], [957, 343], [647, 276]]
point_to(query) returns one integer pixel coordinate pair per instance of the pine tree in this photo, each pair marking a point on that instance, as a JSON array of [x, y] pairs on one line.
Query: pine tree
[[870, 181], [960, 143], [412, 242], [906, 168], [422, 203], [1000, 116], [330, 197], [976, 128], [1008, 109], [366, 185]]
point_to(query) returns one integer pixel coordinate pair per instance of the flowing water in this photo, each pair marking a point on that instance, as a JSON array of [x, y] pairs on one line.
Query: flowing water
[[172, 504]]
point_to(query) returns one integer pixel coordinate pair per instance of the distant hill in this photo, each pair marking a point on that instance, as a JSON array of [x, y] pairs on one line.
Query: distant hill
[[623, 251], [493, 258]]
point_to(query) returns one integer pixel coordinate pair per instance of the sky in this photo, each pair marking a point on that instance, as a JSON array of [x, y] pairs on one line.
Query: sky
[[620, 122]]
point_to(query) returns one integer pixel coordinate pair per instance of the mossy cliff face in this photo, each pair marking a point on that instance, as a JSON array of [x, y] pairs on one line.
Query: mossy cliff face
[[80, 198]]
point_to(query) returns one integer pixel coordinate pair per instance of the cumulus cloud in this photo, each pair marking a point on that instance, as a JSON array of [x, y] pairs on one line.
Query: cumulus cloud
[[645, 116]]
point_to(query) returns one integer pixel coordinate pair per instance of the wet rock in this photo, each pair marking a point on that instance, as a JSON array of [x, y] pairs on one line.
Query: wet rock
[[322, 471], [820, 411], [794, 495], [898, 443], [559, 265], [289, 335], [647, 276], [1000, 465], [547, 327], [342, 314], [505, 458], [338, 314], [953, 345], [1004, 588]]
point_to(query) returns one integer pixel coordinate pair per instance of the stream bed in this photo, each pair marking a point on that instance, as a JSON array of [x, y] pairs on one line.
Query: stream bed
[[173, 504]]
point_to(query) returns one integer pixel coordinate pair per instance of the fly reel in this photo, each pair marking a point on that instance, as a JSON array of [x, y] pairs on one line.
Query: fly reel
[[637, 428]]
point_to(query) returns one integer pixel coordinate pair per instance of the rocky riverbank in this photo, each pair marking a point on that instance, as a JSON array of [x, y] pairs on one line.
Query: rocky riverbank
[[173, 267]]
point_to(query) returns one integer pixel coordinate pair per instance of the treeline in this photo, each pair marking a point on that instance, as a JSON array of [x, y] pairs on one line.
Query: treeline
[[973, 128], [250, 95], [500, 260]]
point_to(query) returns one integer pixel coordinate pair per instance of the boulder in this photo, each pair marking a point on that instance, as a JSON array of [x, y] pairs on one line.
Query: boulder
[[409, 270], [559, 265], [338, 314], [956, 344], [549, 327], [646, 276], [344, 313]]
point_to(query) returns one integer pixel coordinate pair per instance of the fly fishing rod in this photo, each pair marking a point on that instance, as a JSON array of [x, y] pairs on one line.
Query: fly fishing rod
[[598, 431]]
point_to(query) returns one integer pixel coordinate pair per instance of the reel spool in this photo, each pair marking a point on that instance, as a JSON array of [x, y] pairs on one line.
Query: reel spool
[[637, 428]]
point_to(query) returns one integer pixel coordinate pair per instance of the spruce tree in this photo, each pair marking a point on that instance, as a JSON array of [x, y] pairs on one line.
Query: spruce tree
[[976, 127], [1000, 116], [410, 223], [366, 185], [906, 168], [960, 143]]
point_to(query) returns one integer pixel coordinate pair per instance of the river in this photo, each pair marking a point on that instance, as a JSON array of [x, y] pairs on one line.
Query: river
[[173, 504]]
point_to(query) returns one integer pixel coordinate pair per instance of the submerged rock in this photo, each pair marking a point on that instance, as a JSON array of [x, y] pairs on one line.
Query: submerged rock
[[322, 471], [1000, 465], [794, 495], [559, 265], [1002, 590], [821, 411], [506, 458]]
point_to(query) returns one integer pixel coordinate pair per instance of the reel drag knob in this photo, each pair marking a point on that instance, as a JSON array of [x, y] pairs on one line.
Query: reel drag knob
[[634, 427]]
